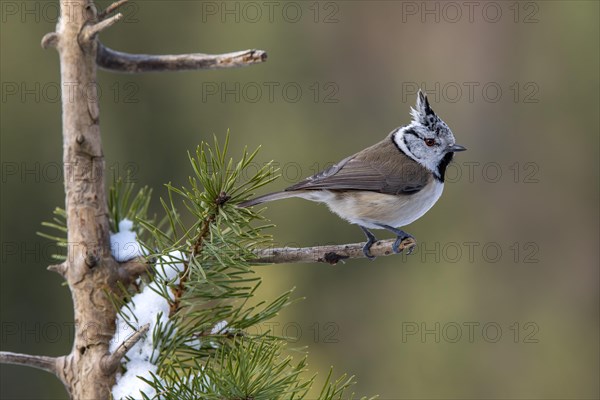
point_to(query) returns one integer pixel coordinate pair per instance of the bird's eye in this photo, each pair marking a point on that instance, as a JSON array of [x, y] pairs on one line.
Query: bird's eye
[[429, 142]]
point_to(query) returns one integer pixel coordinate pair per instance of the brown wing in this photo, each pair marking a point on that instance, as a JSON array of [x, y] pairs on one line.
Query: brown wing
[[380, 168]]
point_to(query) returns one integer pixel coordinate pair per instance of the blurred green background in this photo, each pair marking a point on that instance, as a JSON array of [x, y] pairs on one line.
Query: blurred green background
[[501, 298]]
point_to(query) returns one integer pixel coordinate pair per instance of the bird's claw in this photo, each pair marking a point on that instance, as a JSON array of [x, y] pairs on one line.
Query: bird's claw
[[370, 240], [396, 246], [367, 251]]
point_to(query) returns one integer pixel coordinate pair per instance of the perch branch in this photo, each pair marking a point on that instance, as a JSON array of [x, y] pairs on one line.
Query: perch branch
[[111, 361], [132, 63], [328, 254], [42, 362]]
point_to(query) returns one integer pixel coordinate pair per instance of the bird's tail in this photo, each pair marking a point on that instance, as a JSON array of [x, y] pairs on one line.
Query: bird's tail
[[268, 197]]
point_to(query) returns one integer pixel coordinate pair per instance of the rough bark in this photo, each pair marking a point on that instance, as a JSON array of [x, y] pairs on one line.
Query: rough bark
[[90, 271]]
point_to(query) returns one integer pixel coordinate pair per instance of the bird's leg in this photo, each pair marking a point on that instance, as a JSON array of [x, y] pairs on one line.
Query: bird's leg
[[370, 240], [400, 236]]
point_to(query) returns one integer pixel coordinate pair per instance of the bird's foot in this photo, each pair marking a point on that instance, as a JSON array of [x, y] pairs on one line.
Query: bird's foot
[[367, 251], [370, 240], [399, 240], [400, 237]]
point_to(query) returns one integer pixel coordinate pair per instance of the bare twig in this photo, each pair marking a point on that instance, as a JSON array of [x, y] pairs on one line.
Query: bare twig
[[133, 268], [49, 40], [111, 362], [103, 14], [133, 63], [42, 362], [327, 254], [60, 269], [91, 31]]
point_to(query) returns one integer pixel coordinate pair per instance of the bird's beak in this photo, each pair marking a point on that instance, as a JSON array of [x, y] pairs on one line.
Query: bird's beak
[[456, 147]]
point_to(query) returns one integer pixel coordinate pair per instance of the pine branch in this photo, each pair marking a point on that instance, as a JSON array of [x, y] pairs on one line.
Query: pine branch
[[196, 248], [200, 283], [111, 362], [134, 63], [328, 254], [45, 363]]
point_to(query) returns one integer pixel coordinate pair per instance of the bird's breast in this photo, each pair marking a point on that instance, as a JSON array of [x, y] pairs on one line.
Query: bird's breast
[[372, 208]]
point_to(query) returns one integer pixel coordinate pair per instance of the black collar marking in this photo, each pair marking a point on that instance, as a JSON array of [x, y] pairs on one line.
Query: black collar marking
[[441, 168]]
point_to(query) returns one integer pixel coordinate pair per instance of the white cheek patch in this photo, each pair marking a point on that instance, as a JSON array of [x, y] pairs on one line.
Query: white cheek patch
[[399, 141]]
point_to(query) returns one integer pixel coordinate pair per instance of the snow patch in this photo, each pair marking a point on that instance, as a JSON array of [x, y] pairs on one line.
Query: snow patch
[[123, 244], [147, 307]]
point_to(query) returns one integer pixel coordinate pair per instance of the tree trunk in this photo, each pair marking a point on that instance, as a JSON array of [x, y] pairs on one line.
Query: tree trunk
[[90, 270]]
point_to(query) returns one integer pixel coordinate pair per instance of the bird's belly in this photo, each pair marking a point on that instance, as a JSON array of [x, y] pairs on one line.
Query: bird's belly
[[370, 209]]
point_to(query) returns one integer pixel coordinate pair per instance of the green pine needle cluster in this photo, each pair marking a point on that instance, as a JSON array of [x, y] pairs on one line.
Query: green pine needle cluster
[[59, 236], [212, 242]]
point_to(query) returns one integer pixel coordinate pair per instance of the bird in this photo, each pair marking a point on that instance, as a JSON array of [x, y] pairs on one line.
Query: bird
[[388, 185]]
